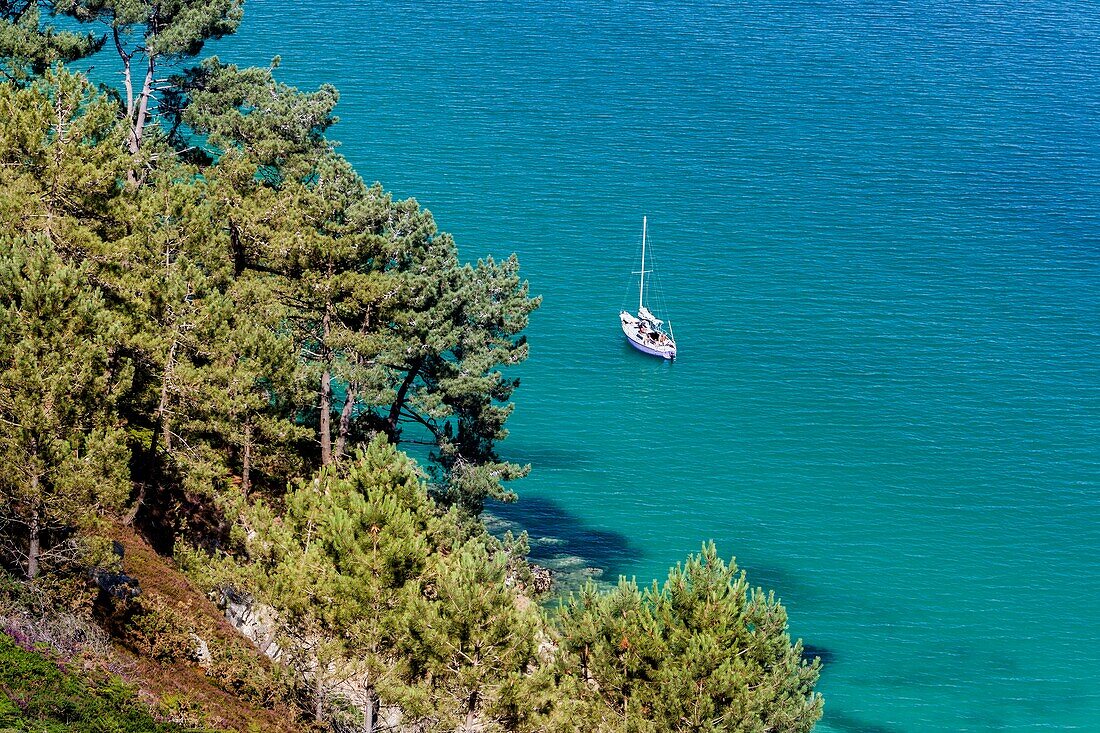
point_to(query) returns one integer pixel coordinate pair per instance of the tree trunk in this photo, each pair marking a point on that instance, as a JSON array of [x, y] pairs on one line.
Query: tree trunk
[[236, 248], [137, 110], [162, 421], [326, 418], [127, 80], [318, 696], [402, 393], [326, 393], [345, 421], [246, 460], [137, 121], [34, 546], [161, 426], [132, 514], [368, 714], [471, 713]]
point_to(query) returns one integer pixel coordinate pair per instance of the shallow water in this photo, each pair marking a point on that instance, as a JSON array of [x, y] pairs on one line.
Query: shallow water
[[877, 235]]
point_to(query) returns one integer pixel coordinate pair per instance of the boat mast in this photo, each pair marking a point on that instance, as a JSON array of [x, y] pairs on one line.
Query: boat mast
[[641, 283]]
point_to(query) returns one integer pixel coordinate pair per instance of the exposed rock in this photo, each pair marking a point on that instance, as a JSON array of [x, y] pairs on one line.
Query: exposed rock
[[255, 621], [117, 586], [115, 594], [202, 651]]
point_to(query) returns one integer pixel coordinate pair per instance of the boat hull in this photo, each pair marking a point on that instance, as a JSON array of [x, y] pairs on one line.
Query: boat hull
[[632, 331], [664, 354]]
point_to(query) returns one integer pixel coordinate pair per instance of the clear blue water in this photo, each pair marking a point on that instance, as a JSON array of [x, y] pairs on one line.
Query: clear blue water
[[878, 231]]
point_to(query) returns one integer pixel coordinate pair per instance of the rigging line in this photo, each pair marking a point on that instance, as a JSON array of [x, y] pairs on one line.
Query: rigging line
[[657, 291], [631, 289], [656, 283]]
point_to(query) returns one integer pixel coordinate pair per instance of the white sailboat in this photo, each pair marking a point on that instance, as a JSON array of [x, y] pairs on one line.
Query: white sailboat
[[645, 332]]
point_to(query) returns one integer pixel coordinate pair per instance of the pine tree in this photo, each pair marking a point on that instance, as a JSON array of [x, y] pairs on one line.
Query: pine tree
[[192, 328], [243, 410], [334, 289], [298, 213], [380, 304], [60, 164], [342, 565], [464, 377], [469, 644], [610, 651], [163, 276], [703, 653], [706, 611], [64, 454], [149, 33]]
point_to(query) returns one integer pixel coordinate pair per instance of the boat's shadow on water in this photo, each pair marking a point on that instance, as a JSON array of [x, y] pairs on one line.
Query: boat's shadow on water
[[563, 542]]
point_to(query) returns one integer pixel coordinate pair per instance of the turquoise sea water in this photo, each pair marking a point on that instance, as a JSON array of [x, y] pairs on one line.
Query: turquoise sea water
[[878, 233]]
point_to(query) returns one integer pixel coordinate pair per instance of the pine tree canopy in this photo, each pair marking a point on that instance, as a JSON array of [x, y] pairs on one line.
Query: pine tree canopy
[[64, 454], [704, 652], [30, 43]]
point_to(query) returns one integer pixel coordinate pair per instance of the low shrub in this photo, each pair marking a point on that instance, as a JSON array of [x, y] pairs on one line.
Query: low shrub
[[241, 671], [158, 630]]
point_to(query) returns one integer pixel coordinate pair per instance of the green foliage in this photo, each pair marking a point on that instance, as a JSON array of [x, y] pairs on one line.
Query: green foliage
[[241, 671], [373, 294], [343, 564], [65, 456], [147, 33], [703, 653], [315, 309], [159, 631], [167, 28], [29, 44], [215, 388], [469, 643], [212, 394], [270, 131], [460, 392], [36, 695], [61, 164], [383, 592]]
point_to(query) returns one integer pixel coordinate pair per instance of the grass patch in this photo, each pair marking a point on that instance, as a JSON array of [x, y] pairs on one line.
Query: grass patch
[[37, 694]]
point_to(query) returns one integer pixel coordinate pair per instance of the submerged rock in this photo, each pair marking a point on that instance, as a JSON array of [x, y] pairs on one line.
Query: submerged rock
[[542, 579]]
